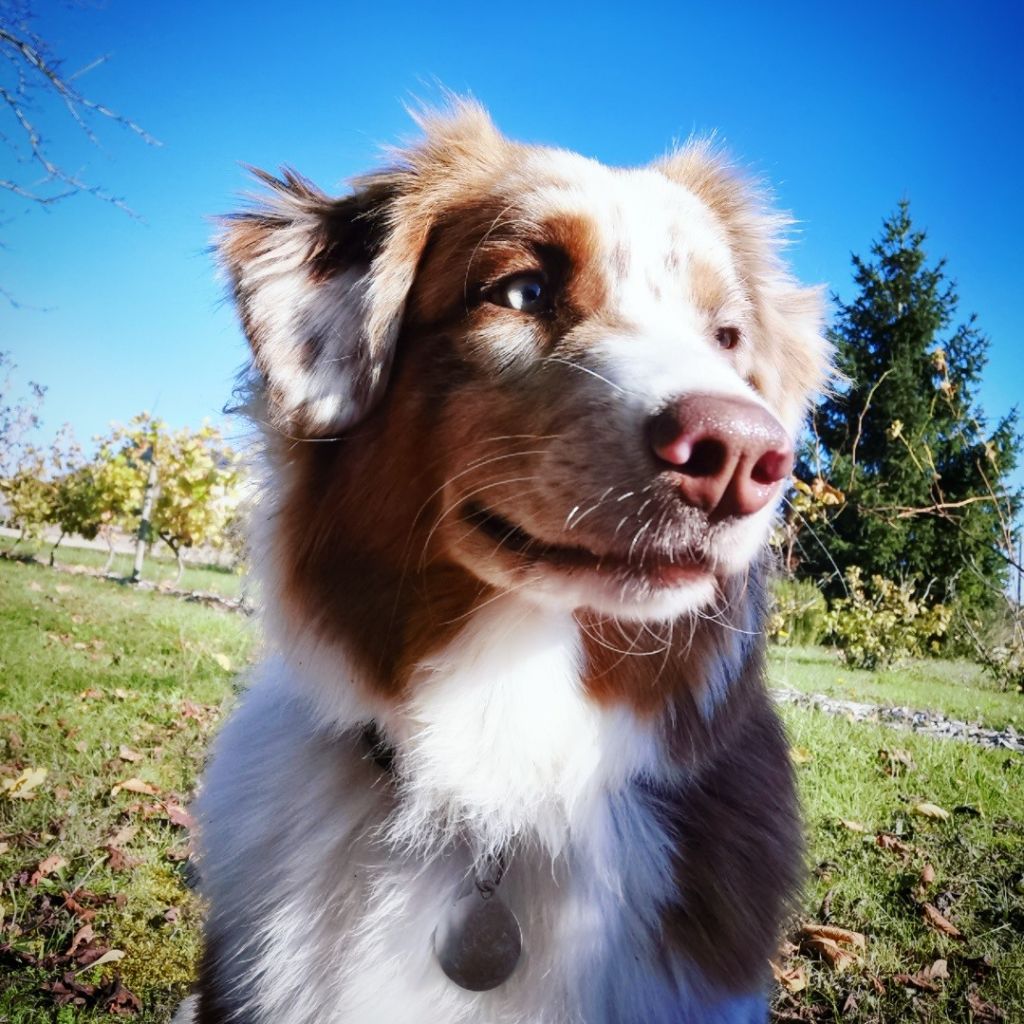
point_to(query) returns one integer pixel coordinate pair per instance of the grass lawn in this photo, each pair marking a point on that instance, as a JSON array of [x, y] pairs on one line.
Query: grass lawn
[[100, 685], [159, 567], [959, 689], [115, 693]]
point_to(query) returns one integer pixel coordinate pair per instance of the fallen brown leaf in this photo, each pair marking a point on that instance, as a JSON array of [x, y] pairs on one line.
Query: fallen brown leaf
[[133, 785], [47, 867], [887, 841], [792, 979], [853, 826], [127, 754], [177, 815], [940, 923], [111, 956], [21, 787], [118, 860], [835, 934], [926, 979], [929, 810], [832, 953], [83, 935], [984, 1012]]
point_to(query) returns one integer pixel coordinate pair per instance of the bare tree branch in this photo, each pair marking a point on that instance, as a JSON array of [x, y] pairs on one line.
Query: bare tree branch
[[860, 425], [33, 75]]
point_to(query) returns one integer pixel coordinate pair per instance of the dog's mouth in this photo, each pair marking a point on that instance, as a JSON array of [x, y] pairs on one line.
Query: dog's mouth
[[512, 539]]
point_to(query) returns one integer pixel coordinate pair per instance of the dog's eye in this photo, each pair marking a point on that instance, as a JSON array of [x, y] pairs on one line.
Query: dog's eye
[[526, 293], [728, 337]]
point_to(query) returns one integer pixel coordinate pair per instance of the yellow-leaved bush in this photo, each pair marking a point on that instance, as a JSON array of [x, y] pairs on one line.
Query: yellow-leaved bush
[[881, 621]]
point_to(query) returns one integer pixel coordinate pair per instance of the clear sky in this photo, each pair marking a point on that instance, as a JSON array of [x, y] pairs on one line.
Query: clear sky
[[845, 108]]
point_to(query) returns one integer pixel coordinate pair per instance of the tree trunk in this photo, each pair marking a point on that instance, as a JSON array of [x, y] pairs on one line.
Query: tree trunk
[[179, 554], [145, 529], [53, 550], [108, 536]]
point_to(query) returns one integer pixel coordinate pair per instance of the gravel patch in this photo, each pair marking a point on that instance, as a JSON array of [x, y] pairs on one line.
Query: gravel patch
[[928, 723]]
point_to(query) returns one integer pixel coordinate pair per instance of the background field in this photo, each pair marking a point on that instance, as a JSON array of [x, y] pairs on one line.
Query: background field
[[103, 686]]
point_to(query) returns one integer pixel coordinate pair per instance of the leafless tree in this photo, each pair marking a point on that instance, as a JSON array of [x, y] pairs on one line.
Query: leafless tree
[[32, 81]]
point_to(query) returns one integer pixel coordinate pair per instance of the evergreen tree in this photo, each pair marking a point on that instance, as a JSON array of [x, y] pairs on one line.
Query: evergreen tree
[[924, 477]]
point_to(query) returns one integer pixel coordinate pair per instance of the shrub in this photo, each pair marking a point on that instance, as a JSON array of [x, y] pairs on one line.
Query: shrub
[[798, 613], [881, 622]]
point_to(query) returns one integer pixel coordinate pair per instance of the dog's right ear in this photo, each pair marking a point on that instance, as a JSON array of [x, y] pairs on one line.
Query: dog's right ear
[[321, 283], [320, 286]]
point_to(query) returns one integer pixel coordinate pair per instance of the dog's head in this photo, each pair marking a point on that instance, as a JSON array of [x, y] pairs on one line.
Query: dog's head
[[539, 372]]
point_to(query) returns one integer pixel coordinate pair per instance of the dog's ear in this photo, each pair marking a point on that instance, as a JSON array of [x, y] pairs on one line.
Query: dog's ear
[[321, 283], [318, 305]]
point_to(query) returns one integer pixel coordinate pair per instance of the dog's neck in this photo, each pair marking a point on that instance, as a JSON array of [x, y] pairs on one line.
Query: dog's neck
[[526, 718]]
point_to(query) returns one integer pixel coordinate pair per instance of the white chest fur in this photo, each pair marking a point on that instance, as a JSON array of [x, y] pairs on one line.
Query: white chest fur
[[326, 879]]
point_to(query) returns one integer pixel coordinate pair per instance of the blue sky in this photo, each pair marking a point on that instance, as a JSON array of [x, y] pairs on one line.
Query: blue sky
[[846, 109]]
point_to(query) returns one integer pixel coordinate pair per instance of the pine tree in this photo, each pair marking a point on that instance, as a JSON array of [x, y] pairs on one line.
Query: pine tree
[[925, 479]]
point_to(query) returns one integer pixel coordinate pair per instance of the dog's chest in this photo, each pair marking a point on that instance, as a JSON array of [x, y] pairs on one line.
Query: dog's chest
[[334, 874]]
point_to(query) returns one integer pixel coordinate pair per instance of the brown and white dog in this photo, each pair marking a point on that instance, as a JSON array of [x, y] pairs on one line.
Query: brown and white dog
[[526, 419]]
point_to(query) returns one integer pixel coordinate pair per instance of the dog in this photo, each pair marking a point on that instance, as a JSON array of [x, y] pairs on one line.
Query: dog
[[509, 757]]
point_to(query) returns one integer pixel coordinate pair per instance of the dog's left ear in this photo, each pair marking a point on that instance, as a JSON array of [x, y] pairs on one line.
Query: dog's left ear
[[320, 286]]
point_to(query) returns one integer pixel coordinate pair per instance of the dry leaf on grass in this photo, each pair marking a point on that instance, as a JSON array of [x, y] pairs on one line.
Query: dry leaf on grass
[[112, 956], [984, 1012], [929, 810], [924, 883], [47, 867], [127, 754], [223, 660], [835, 934], [177, 815], [21, 787], [118, 860], [926, 979], [827, 941], [887, 841], [792, 979], [941, 924], [800, 755], [84, 935], [133, 785], [853, 826]]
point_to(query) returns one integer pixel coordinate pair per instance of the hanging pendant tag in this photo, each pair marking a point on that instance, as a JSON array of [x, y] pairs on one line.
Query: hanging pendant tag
[[478, 942]]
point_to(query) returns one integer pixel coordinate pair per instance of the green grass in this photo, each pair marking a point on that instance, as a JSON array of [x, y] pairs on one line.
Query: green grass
[[959, 689], [977, 854], [87, 666], [158, 568]]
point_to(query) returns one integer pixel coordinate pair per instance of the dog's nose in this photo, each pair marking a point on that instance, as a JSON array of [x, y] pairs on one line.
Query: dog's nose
[[729, 452]]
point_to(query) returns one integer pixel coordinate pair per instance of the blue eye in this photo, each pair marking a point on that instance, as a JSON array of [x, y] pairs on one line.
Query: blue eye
[[525, 293]]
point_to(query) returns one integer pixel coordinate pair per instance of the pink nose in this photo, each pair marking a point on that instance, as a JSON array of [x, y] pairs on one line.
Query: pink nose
[[729, 453]]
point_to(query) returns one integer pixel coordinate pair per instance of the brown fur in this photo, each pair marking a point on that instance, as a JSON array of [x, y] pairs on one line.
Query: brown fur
[[459, 397]]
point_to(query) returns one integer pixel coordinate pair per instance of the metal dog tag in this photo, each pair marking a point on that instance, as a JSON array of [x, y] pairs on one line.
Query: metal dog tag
[[479, 941]]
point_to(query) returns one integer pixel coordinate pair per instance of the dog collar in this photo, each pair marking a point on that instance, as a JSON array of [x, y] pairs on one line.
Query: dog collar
[[478, 941]]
